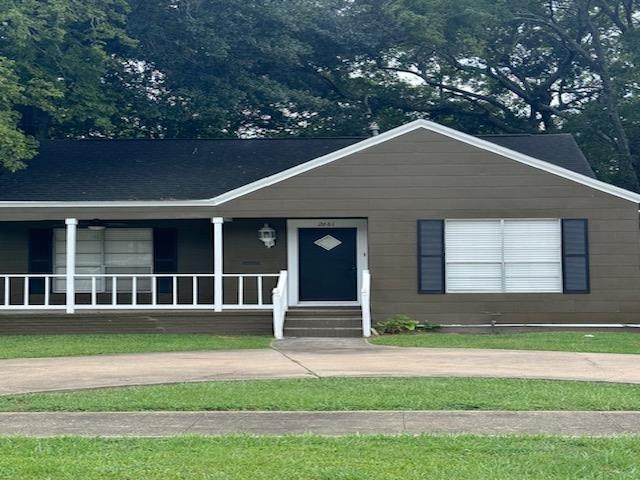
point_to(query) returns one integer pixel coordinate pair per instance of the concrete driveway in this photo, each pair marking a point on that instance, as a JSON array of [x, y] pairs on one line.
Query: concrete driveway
[[307, 358]]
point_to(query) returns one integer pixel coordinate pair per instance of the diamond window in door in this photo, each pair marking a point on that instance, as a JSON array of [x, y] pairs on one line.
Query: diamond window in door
[[328, 242]]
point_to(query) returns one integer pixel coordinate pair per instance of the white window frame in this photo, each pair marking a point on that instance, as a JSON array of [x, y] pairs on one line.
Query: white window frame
[[503, 262]]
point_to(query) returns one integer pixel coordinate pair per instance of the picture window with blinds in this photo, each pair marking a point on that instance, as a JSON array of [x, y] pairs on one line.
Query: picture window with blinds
[[109, 251], [503, 256], [507, 256]]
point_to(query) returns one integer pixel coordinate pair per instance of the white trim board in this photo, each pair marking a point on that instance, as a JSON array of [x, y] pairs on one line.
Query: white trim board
[[362, 257], [437, 128], [344, 152]]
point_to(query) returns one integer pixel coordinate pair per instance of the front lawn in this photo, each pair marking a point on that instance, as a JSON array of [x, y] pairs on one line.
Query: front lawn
[[601, 342], [341, 394], [318, 458], [24, 346]]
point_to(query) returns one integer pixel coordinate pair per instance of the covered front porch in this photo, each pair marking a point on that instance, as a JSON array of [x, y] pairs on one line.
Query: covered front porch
[[219, 267]]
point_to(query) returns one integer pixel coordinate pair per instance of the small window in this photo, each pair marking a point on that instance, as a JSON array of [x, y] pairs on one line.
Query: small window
[[503, 256], [108, 251]]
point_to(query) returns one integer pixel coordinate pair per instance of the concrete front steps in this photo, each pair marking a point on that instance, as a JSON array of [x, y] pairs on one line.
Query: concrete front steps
[[323, 322]]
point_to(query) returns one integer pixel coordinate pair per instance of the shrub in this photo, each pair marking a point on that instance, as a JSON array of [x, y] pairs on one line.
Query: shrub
[[396, 324], [427, 326]]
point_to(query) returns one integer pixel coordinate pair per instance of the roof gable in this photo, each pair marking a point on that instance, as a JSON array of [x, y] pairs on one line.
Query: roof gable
[[440, 129]]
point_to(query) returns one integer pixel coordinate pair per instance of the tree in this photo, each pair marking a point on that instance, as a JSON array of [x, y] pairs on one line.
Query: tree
[[603, 35], [205, 68], [57, 57], [507, 65], [475, 62], [231, 67], [15, 147]]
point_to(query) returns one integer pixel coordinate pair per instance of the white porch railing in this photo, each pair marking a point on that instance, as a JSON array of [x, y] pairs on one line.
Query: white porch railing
[[280, 304], [159, 292], [28, 292], [365, 295], [136, 291]]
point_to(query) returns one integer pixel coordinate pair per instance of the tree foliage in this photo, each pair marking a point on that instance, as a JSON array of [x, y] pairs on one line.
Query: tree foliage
[[514, 66], [15, 146], [56, 58], [202, 68]]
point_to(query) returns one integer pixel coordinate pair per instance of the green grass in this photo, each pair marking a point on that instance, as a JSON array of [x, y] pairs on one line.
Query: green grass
[[321, 458], [342, 394], [603, 342], [23, 346]]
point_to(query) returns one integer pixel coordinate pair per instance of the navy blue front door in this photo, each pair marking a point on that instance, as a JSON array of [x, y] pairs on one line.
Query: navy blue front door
[[328, 266]]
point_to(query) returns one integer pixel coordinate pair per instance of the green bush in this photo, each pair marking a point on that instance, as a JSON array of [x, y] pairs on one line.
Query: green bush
[[396, 324], [427, 326]]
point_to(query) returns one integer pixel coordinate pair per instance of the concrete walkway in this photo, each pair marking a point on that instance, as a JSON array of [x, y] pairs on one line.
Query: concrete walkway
[[161, 424], [306, 358]]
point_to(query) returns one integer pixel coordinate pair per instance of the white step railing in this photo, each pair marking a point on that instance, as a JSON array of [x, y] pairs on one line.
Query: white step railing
[[135, 291], [365, 296], [280, 304]]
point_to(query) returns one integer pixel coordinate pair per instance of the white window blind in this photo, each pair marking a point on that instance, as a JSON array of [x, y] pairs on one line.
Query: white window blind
[[532, 256], [473, 252], [484, 256], [89, 258], [109, 251]]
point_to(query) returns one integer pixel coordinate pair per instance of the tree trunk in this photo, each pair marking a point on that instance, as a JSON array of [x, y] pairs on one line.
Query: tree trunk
[[549, 123], [34, 122]]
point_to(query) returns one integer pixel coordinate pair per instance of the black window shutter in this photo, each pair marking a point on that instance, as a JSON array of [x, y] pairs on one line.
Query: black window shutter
[[40, 256], [575, 255], [431, 276], [165, 256]]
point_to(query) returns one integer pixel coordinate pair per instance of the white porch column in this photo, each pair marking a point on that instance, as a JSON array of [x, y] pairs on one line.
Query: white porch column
[[218, 267], [72, 225]]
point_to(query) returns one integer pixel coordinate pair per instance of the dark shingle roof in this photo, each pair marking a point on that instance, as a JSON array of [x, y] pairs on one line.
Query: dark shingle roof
[[76, 170], [99, 170]]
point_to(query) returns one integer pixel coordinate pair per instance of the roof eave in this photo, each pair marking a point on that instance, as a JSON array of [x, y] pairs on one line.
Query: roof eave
[[331, 157], [106, 204]]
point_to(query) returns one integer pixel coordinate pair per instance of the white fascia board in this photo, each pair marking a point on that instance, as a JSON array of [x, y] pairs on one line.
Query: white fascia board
[[437, 128]]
